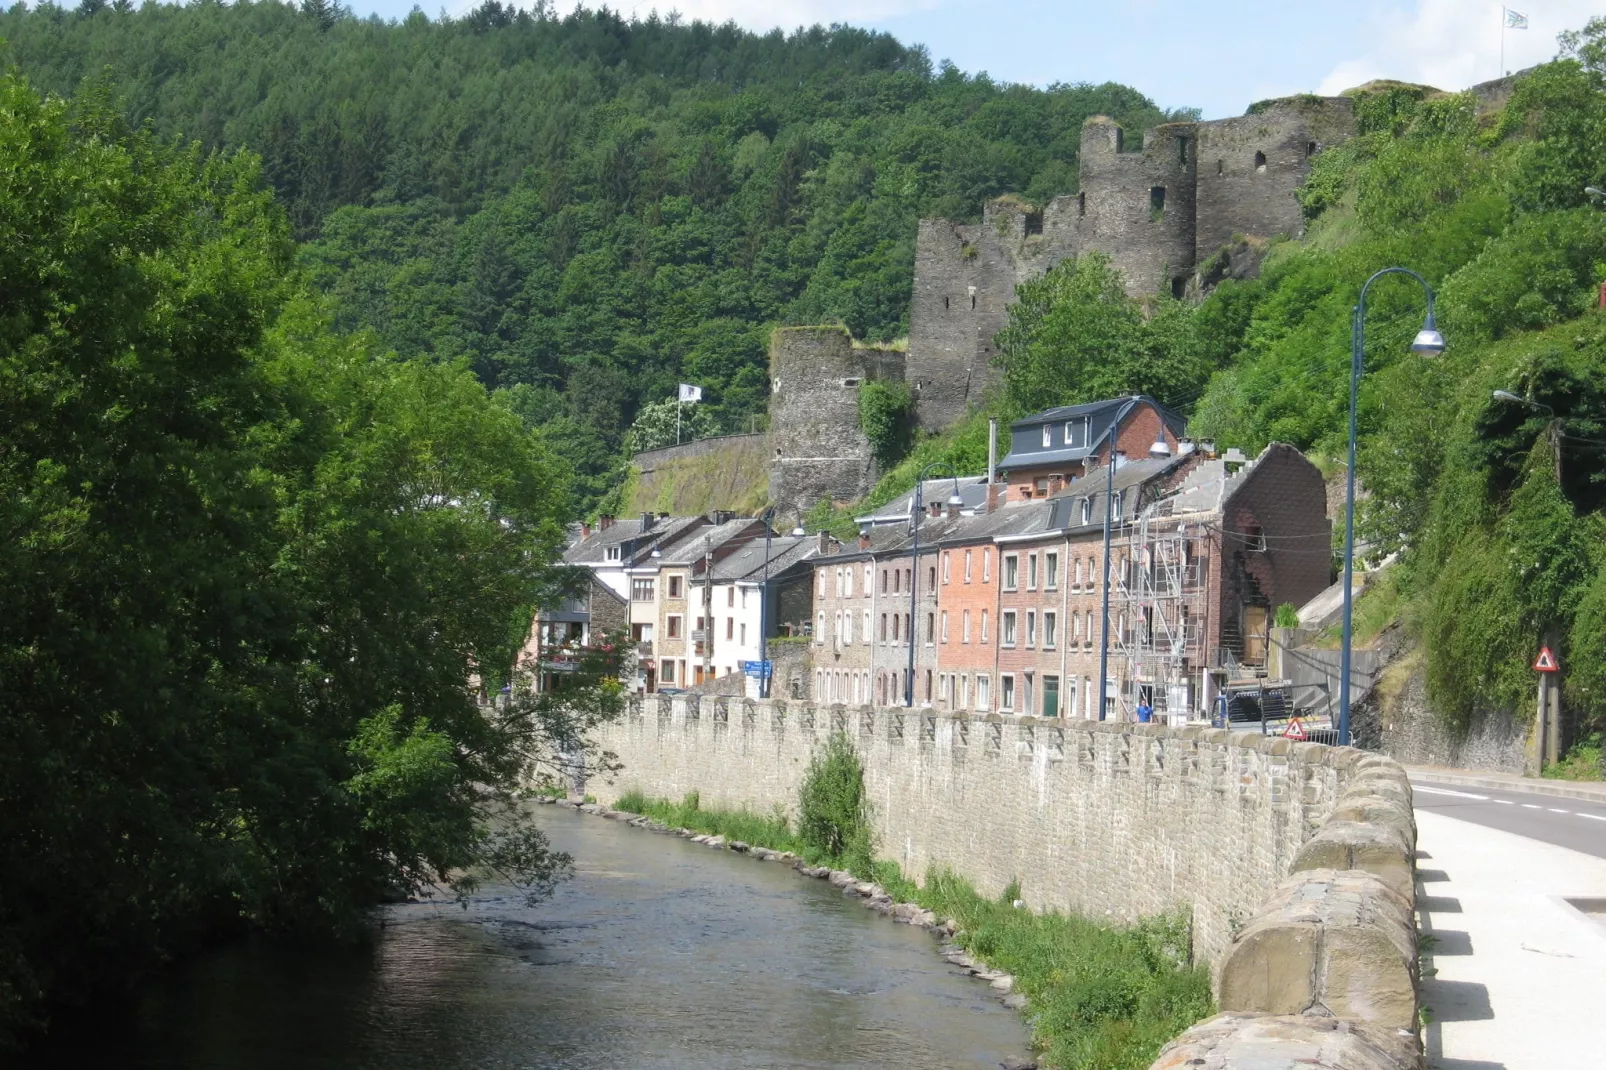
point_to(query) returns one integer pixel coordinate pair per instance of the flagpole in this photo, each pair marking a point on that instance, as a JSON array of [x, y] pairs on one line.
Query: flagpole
[[678, 406], [1502, 72]]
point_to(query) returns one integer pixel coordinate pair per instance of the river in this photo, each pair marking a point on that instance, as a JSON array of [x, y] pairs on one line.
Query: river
[[658, 955]]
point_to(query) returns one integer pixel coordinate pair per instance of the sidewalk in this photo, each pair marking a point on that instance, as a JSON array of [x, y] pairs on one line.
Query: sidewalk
[[1514, 975], [1566, 789]]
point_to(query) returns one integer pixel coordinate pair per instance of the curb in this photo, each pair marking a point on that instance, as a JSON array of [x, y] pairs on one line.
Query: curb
[[1559, 788]]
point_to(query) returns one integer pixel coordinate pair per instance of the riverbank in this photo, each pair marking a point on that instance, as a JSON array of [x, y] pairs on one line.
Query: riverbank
[[1095, 995]]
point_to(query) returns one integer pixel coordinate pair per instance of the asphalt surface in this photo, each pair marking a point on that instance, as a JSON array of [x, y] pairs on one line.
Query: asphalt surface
[[1572, 823]]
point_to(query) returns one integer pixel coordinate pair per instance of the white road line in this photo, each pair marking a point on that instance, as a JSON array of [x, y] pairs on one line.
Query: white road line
[[1556, 810], [1444, 791], [1531, 806], [1505, 802], [1594, 817]]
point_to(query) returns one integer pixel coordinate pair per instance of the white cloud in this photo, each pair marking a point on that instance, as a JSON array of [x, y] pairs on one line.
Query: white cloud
[[1452, 44]]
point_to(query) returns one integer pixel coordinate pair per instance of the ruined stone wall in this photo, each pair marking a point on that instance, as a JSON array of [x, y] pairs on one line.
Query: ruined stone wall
[[1138, 207], [965, 279], [818, 449], [1112, 820], [1250, 168]]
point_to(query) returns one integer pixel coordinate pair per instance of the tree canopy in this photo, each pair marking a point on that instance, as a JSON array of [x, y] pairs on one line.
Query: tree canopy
[[593, 207], [252, 567]]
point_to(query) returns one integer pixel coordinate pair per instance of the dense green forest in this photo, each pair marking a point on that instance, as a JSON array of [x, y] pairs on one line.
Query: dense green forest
[[586, 209]]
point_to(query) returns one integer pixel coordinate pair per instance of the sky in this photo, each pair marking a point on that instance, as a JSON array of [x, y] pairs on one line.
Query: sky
[[1218, 57]]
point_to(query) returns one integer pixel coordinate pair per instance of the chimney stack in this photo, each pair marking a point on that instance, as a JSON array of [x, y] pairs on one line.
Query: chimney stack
[[992, 450], [646, 523], [993, 495], [604, 522], [585, 529]]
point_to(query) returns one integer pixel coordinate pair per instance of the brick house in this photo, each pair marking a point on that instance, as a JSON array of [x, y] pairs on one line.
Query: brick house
[[1049, 449]]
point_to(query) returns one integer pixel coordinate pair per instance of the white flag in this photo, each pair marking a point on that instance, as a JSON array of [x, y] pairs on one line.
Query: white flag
[[1515, 20], [690, 393]]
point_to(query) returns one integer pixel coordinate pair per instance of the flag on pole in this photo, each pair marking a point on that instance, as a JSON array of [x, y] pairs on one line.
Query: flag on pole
[[690, 393], [1515, 20]]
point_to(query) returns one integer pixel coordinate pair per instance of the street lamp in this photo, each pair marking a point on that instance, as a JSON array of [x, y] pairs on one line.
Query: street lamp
[[917, 514], [764, 597], [1428, 342]]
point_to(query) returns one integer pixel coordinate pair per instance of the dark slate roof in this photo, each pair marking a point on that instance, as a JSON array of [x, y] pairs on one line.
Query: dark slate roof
[[972, 491], [1102, 417], [747, 561], [626, 533], [689, 551], [1068, 502]]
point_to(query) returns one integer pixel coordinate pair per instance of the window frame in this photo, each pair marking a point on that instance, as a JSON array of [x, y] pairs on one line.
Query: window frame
[[1010, 572], [1050, 629], [1008, 628]]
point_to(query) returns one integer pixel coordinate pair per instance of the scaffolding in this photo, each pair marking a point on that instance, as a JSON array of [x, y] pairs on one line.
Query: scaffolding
[[1159, 610]]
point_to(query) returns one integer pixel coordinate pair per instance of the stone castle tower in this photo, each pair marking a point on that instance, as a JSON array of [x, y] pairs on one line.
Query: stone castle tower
[[1160, 213]]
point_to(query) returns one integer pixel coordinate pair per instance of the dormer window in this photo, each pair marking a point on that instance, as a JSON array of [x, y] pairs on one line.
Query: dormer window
[[1087, 510], [1048, 436], [612, 553]]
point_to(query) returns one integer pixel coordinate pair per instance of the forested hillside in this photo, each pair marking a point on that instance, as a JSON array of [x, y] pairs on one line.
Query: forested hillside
[[584, 208]]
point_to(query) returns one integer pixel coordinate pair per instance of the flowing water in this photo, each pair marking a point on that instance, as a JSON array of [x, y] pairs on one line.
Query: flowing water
[[659, 955]]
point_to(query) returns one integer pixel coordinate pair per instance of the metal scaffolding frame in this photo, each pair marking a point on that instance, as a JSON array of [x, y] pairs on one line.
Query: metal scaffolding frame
[[1160, 609]]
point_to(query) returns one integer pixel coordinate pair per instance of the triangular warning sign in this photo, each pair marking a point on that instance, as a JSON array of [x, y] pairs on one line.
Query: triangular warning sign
[[1546, 661], [1295, 730]]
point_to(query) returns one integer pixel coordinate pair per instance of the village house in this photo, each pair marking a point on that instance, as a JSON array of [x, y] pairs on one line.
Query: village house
[[1049, 449]]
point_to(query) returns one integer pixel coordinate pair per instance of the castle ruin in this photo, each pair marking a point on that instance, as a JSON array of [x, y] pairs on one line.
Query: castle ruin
[[1166, 215], [1161, 214]]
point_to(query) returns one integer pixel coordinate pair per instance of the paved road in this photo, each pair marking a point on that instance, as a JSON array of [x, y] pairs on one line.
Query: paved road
[[1572, 823]]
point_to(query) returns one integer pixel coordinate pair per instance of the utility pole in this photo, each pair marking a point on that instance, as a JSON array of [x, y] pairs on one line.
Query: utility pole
[[1104, 628], [708, 604]]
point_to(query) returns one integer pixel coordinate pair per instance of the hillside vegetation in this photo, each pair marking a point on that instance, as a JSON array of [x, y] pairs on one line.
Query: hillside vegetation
[[1500, 554], [585, 208]]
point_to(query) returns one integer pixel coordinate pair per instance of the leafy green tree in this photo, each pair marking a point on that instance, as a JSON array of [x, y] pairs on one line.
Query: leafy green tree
[[253, 566], [1074, 335], [658, 422]]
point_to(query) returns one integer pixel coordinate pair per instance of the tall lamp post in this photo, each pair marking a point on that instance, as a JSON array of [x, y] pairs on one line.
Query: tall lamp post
[[764, 598], [916, 515], [1428, 342]]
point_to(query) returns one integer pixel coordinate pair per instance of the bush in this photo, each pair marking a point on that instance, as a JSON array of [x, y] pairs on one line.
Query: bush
[[885, 416], [835, 816]]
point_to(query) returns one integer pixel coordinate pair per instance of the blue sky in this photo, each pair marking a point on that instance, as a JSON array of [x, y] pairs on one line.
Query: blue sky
[[1216, 56]]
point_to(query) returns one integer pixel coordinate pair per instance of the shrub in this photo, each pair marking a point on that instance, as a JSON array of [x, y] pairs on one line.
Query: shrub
[[834, 814], [885, 416], [1287, 615]]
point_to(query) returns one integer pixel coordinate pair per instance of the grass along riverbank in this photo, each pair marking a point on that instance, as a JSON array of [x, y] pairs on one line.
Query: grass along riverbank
[[1099, 996]]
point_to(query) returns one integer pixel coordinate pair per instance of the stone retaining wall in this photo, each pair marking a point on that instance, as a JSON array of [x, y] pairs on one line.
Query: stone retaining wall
[[1293, 859]]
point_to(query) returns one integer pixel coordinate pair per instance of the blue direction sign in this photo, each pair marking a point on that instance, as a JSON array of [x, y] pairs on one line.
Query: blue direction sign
[[756, 669]]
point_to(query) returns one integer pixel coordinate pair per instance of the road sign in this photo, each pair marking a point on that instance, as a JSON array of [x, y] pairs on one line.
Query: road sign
[[757, 669], [1546, 661], [1295, 730]]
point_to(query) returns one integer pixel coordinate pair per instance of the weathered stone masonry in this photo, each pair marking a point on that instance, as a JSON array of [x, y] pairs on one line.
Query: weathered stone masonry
[[1106, 819], [1296, 861]]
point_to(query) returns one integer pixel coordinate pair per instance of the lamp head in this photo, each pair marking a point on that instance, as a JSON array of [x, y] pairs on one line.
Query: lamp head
[[1429, 342], [955, 500], [798, 531], [1161, 447], [1593, 192], [1506, 395]]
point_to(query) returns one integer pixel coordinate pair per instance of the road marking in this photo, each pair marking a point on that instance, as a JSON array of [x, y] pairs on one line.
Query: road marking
[[1555, 810], [1594, 817], [1531, 806], [1505, 802], [1444, 791]]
